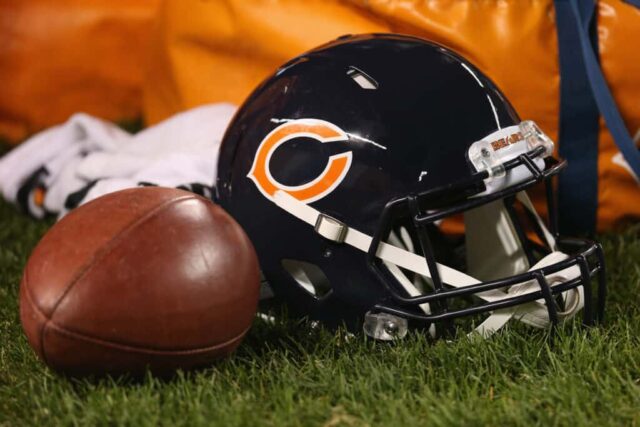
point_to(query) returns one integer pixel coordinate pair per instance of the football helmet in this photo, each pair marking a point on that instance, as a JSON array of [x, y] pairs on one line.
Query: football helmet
[[382, 179]]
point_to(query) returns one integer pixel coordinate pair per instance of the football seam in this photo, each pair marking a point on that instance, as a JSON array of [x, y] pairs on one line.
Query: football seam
[[33, 304], [104, 251], [145, 350]]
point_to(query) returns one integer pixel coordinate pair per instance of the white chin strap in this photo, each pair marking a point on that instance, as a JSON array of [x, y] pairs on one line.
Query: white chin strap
[[534, 313]]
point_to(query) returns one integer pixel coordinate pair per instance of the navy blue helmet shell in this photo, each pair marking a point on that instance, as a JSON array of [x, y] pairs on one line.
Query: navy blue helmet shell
[[364, 136]]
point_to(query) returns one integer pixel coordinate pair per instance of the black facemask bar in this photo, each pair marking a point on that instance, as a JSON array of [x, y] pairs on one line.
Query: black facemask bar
[[585, 254]]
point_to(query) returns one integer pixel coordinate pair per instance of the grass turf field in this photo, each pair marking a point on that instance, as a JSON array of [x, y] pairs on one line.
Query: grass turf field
[[289, 374]]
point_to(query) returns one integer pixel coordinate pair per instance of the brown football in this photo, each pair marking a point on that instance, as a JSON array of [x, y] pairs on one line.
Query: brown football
[[148, 277]]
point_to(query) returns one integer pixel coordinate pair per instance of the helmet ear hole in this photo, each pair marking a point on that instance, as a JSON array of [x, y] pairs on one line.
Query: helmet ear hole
[[309, 277]]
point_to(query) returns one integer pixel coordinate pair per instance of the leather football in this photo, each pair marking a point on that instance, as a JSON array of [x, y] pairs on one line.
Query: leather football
[[147, 277]]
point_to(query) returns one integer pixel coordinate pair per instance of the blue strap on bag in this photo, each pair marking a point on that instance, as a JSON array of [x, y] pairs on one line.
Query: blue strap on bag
[[578, 130], [584, 95]]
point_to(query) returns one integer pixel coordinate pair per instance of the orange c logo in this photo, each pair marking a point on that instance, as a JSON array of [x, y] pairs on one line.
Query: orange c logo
[[333, 174]]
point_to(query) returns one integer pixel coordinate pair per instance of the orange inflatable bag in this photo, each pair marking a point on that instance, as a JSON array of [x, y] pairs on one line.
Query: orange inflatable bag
[[64, 56], [540, 53]]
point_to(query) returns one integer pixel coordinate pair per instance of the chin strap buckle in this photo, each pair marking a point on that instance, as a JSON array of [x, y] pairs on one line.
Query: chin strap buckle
[[331, 228]]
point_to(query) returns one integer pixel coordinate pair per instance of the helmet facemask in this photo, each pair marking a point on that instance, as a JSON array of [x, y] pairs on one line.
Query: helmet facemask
[[509, 264]]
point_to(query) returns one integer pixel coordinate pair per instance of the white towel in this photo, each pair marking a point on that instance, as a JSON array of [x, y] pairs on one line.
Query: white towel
[[85, 158]]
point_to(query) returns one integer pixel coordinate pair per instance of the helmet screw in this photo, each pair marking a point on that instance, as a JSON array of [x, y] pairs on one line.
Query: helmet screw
[[327, 253], [485, 152], [391, 327]]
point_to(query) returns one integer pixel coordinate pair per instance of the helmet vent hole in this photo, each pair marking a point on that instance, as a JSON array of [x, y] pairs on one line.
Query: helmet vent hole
[[309, 277], [363, 80]]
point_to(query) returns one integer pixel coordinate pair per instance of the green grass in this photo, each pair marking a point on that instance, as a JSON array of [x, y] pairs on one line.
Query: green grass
[[290, 374]]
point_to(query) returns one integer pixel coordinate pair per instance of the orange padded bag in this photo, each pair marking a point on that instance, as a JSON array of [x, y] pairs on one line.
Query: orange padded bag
[[63, 56], [219, 50]]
